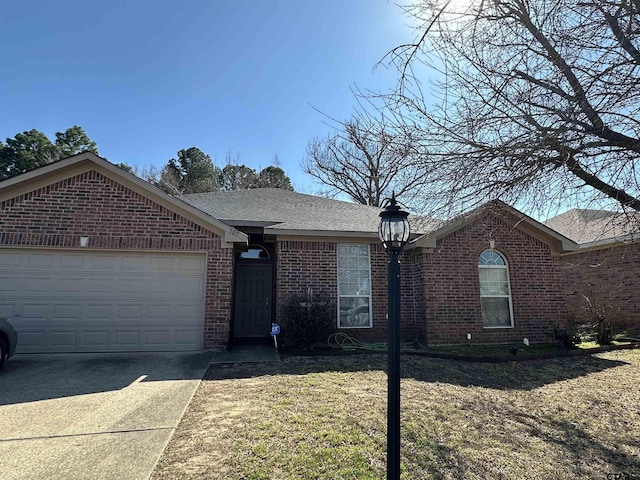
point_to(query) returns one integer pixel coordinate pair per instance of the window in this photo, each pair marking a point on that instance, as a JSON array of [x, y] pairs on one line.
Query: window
[[354, 286], [495, 291], [255, 252]]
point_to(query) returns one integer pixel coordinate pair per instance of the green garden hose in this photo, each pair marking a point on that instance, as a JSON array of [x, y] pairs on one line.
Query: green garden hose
[[348, 343]]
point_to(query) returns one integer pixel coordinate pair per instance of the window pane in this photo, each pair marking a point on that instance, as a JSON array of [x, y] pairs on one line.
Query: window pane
[[498, 274], [352, 263], [354, 312], [354, 285], [489, 257], [255, 253], [495, 312], [493, 281], [494, 288], [364, 284]]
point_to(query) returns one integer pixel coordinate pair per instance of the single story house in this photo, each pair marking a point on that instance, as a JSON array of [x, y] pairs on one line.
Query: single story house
[[94, 259]]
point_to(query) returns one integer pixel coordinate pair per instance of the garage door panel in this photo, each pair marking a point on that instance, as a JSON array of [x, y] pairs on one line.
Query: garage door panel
[[97, 312], [135, 302], [72, 261], [30, 340], [69, 285], [133, 286], [163, 312], [160, 287], [67, 312], [38, 261], [33, 312], [36, 284], [127, 338], [93, 339], [105, 262], [133, 263], [186, 311], [10, 284], [157, 337], [62, 339], [100, 285], [163, 264], [128, 313], [186, 337], [191, 264], [7, 310], [191, 286]]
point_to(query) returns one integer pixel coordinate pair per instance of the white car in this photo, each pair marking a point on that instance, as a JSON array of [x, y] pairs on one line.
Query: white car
[[8, 340]]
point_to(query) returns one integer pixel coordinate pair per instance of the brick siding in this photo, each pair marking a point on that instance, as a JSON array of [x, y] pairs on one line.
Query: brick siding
[[115, 217], [610, 277], [313, 264], [451, 285], [412, 306], [302, 264]]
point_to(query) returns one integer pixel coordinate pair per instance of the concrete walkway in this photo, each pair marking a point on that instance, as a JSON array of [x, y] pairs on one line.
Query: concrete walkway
[[92, 416], [247, 354]]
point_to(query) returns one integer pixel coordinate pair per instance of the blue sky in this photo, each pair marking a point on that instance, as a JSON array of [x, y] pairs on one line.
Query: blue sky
[[147, 78]]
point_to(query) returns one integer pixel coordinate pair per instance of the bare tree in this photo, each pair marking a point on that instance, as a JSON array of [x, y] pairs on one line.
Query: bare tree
[[366, 159], [536, 102]]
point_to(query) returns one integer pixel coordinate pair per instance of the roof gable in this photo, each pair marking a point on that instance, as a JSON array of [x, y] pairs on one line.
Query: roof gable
[[557, 241], [71, 166]]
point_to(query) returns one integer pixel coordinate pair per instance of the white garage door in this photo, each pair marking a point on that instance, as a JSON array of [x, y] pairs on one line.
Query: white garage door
[[87, 301]]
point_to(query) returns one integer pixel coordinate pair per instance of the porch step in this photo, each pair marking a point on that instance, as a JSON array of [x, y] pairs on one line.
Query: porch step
[[247, 354]]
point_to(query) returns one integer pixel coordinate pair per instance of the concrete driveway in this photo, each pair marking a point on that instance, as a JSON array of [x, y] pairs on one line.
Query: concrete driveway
[[98, 416]]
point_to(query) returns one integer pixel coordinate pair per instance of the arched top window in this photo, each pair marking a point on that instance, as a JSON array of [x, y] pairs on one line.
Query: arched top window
[[495, 290], [256, 252], [491, 257]]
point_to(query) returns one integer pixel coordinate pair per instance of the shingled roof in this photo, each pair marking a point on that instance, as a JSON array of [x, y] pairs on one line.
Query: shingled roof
[[285, 212], [587, 226]]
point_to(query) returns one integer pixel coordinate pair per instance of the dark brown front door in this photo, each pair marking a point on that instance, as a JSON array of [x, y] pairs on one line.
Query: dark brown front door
[[253, 301]]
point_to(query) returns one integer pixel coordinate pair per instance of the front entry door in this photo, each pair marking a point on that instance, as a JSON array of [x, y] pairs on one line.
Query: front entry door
[[253, 301]]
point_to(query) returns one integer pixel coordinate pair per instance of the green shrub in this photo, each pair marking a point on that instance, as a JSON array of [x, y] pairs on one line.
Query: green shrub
[[307, 321]]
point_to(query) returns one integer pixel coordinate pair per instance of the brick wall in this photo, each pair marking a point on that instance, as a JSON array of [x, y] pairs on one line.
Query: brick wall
[[304, 264], [412, 307], [115, 217], [452, 288], [610, 277]]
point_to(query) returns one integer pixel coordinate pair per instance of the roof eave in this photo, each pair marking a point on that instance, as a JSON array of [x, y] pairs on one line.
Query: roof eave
[[319, 233], [57, 171], [609, 242]]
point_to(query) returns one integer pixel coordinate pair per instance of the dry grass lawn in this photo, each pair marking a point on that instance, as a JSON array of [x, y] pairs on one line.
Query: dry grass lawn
[[325, 418]]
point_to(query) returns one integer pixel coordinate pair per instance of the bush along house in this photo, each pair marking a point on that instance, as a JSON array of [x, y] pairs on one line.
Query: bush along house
[[94, 259]]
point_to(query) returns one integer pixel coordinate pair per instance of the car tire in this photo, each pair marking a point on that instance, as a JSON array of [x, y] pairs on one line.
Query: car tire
[[4, 351]]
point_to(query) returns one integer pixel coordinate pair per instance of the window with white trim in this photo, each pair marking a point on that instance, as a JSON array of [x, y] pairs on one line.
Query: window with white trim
[[354, 286], [495, 290]]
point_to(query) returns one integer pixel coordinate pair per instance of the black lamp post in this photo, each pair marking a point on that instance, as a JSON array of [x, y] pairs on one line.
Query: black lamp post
[[394, 234]]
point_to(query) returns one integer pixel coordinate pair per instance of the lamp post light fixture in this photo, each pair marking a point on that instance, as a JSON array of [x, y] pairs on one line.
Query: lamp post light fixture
[[394, 234]]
